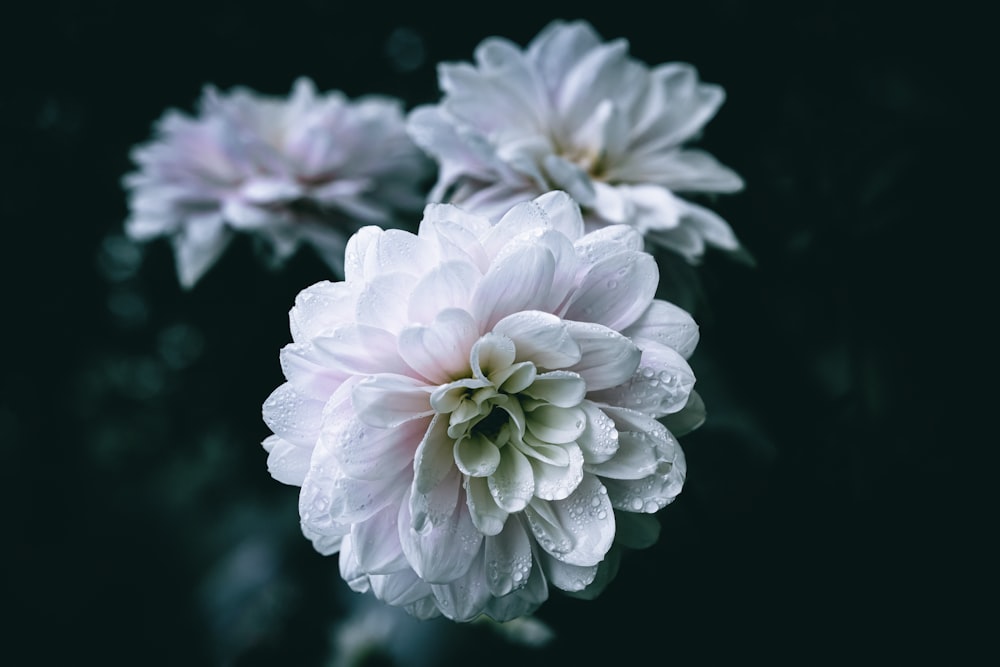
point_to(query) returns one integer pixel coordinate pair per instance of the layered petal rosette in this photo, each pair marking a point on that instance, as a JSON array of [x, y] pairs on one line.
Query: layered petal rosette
[[308, 169], [477, 411], [572, 112]]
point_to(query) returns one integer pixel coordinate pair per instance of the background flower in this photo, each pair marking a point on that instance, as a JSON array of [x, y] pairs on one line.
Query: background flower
[[472, 414], [307, 169], [571, 112]]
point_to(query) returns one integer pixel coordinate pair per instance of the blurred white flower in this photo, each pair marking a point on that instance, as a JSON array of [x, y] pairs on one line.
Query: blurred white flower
[[571, 112], [477, 411], [307, 169]]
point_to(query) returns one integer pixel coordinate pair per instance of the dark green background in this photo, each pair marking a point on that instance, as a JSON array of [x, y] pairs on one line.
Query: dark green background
[[821, 519]]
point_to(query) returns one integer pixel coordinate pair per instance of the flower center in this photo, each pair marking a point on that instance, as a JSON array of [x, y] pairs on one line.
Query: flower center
[[509, 404]]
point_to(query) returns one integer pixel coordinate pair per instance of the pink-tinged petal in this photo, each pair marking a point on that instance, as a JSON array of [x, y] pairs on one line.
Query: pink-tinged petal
[[513, 483], [615, 291], [350, 570], [357, 250], [368, 452], [376, 543], [444, 552], [448, 285], [293, 416], [455, 234], [556, 482], [303, 367], [578, 530], [488, 517], [400, 588], [568, 577], [607, 358], [361, 349], [286, 462], [599, 440], [440, 351], [563, 213], [660, 385], [464, 598], [384, 300], [517, 282], [636, 531], [320, 308], [605, 241], [508, 559], [688, 418], [668, 325], [539, 337], [387, 400], [433, 460], [197, 247]]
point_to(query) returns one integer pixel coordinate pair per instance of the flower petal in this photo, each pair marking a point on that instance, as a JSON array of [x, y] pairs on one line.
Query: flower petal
[[616, 290], [440, 350], [286, 462], [447, 286], [568, 577], [387, 400], [517, 282], [661, 384], [539, 337], [444, 552], [293, 416], [607, 358], [508, 559], [376, 542], [513, 483], [666, 324], [488, 517], [599, 440], [465, 597], [556, 482], [578, 530]]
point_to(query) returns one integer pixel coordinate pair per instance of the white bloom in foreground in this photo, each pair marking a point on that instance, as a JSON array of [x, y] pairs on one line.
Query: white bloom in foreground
[[473, 413], [571, 112], [307, 169]]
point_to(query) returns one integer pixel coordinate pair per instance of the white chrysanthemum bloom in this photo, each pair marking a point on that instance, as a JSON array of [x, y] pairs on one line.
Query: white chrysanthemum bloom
[[571, 112], [474, 413], [309, 169]]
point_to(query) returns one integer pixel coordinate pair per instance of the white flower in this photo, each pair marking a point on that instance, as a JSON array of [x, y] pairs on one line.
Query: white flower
[[573, 113], [308, 169], [474, 413]]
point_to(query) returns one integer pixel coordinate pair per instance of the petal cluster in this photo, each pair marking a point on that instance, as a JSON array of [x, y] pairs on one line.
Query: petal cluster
[[308, 169], [574, 113], [477, 412]]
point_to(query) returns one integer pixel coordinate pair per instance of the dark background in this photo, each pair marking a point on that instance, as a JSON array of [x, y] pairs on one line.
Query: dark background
[[821, 520]]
